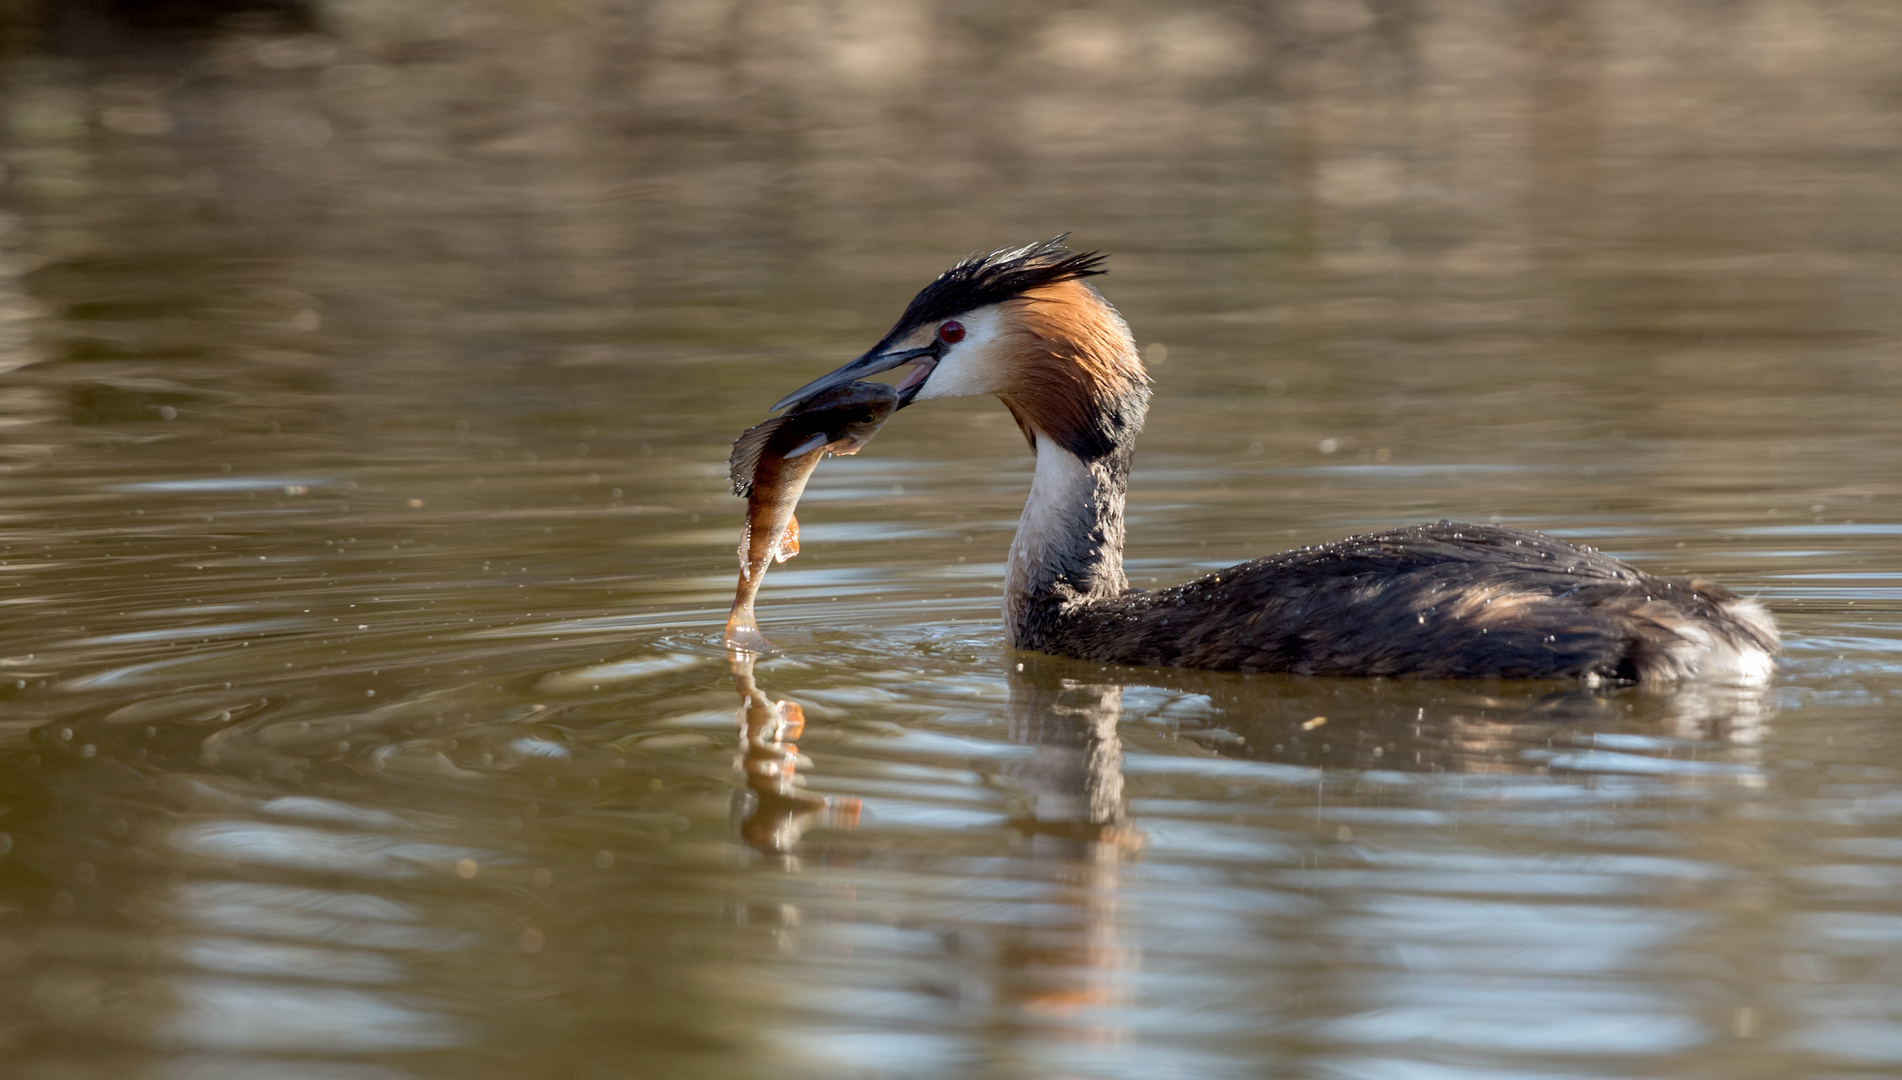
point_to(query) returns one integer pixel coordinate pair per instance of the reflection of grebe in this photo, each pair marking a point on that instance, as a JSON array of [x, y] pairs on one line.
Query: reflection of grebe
[[1445, 600]]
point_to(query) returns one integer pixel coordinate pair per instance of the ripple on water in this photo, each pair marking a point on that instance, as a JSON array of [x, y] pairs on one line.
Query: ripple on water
[[252, 1015], [226, 1066], [264, 911], [284, 847], [366, 712]]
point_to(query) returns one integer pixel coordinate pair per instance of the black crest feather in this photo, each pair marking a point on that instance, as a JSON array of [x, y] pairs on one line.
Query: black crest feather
[[994, 278]]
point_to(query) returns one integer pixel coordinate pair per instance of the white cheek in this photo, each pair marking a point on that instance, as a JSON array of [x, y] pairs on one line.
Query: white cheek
[[970, 367]]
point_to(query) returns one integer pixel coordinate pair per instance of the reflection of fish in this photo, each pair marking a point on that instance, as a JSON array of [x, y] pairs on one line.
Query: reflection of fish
[[770, 466], [776, 810]]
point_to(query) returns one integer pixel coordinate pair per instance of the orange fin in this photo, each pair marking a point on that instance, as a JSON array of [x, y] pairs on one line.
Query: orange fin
[[842, 812], [792, 721], [789, 543]]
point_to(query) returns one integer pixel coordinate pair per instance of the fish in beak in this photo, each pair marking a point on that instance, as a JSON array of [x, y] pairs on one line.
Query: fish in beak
[[872, 363]]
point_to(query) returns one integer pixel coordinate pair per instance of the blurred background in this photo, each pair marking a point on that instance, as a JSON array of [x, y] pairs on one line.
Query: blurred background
[[367, 374]]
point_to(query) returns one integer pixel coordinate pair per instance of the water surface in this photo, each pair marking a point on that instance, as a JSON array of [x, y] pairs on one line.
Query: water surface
[[364, 536]]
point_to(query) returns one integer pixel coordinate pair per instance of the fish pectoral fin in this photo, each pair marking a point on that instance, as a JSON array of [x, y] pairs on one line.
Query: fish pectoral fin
[[789, 543], [817, 442]]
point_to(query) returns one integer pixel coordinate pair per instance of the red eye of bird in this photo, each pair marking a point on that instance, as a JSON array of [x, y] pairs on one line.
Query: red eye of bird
[[951, 332]]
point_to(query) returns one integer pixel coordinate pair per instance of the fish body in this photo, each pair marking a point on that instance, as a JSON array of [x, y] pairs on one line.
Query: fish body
[[770, 465]]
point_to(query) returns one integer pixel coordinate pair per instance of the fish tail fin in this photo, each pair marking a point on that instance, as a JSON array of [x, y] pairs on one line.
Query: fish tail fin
[[742, 632]]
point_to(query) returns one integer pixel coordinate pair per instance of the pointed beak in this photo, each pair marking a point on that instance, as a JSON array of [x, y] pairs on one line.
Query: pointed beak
[[871, 364]]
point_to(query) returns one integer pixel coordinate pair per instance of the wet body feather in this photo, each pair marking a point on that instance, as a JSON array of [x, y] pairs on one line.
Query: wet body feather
[[1434, 601]]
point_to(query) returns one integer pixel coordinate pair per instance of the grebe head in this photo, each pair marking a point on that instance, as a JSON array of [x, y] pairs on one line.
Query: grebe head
[[1020, 323]]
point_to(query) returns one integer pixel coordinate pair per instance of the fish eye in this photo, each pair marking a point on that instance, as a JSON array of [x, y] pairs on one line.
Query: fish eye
[[951, 332]]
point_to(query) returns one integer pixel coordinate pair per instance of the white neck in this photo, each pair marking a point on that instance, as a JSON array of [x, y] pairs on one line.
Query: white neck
[[1069, 543]]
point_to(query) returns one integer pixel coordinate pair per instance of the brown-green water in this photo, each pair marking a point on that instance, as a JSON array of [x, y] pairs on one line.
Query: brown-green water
[[364, 544]]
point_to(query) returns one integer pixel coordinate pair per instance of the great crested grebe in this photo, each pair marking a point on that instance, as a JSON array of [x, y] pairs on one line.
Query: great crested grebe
[[1440, 601]]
